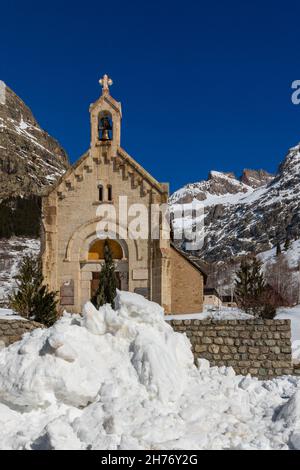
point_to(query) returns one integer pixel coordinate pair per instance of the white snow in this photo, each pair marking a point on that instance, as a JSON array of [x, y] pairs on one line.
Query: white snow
[[293, 314], [23, 125], [223, 313], [8, 314], [292, 254], [11, 252], [2, 92], [124, 379]]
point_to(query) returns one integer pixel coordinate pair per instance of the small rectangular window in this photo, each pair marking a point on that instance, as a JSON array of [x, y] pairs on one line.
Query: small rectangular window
[[100, 187], [109, 192]]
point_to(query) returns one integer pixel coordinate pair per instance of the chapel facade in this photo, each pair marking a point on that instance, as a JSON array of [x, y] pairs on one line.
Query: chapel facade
[[73, 244]]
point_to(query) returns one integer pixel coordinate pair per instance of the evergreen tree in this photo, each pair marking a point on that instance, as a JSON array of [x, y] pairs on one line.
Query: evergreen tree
[[242, 289], [250, 285], [278, 249], [257, 286], [287, 244], [32, 299], [106, 291]]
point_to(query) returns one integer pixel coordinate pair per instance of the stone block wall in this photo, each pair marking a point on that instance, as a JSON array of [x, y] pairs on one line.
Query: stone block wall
[[259, 347], [12, 330]]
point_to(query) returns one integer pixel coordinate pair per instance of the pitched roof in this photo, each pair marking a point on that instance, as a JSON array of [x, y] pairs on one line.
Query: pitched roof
[[160, 187]]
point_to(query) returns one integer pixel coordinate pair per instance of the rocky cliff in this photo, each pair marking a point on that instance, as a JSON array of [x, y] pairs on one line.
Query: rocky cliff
[[30, 159], [250, 214]]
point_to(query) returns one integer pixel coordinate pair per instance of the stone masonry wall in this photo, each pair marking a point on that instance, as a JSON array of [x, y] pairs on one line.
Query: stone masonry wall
[[12, 330], [259, 347]]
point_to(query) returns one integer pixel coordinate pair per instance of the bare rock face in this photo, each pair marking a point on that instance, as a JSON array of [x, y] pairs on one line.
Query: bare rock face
[[256, 178], [217, 184], [30, 159], [247, 216]]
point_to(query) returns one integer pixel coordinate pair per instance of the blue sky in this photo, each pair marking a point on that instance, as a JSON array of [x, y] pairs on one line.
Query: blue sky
[[203, 85]]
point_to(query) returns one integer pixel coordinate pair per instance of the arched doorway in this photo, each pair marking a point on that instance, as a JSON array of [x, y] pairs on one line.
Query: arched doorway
[[96, 258]]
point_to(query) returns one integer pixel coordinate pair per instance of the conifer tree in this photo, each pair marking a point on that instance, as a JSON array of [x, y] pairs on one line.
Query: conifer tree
[[32, 299], [257, 286], [106, 291], [250, 286], [287, 244], [242, 289], [278, 249]]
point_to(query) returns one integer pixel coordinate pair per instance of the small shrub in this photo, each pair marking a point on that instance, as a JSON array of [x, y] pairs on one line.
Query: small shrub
[[106, 291], [32, 299]]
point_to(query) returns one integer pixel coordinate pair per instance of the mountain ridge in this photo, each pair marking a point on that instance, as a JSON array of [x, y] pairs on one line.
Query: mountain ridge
[[30, 159], [242, 219]]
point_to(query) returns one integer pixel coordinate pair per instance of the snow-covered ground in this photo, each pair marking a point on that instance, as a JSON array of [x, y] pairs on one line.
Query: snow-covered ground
[[125, 380], [292, 254], [7, 314], [223, 313], [292, 314], [11, 254]]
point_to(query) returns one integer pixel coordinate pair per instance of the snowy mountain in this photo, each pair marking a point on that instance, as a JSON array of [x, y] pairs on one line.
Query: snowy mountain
[[244, 218], [10, 251], [30, 159]]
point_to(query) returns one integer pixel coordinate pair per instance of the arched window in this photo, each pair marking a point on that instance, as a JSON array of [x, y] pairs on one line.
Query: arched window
[[100, 189], [109, 192], [96, 250]]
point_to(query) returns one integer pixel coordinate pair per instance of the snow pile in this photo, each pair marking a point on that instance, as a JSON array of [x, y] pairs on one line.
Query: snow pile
[[293, 314], [292, 255], [124, 379], [8, 314], [213, 313]]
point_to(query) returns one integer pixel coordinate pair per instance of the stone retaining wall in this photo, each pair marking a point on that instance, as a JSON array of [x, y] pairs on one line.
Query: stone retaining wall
[[12, 330], [259, 347]]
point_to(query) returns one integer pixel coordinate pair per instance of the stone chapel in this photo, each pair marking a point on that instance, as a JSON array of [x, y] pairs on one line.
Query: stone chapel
[[72, 248]]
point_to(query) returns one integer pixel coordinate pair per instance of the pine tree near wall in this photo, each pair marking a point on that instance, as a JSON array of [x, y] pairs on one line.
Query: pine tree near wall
[[287, 244], [251, 293], [278, 249], [257, 286], [32, 299], [106, 291], [243, 291]]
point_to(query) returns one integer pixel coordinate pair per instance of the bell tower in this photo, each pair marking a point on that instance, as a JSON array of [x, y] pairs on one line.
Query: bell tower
[[106, 115]]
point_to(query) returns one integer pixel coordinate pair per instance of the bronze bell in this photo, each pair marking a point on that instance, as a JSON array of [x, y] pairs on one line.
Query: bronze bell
[[104, 128]]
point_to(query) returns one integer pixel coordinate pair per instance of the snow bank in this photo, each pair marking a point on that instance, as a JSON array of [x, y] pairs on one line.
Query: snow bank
[[224, 313], [293, 314], [123, 379], [8, 314]]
